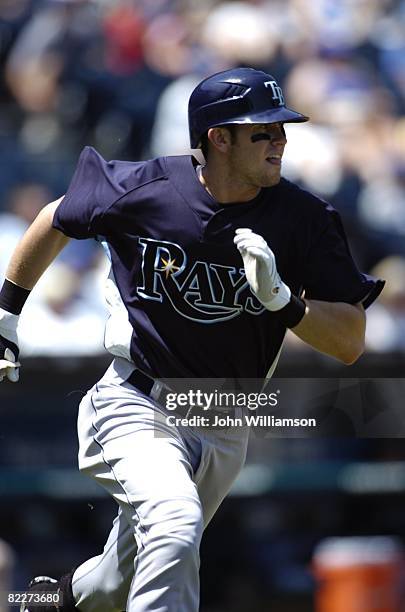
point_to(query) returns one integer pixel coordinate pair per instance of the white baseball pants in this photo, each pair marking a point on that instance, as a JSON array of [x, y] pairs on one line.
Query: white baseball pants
[[168, 483]]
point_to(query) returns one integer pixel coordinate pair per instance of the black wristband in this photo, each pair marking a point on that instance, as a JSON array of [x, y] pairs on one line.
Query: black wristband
[[292, 314], [13, 297]]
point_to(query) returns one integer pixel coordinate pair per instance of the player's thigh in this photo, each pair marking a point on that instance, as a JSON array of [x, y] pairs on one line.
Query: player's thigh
[[127, 447], [152, 481], [223, 456]]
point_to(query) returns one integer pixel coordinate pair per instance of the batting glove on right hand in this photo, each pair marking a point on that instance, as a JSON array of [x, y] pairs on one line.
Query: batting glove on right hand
[[261, 270], [9, 351]]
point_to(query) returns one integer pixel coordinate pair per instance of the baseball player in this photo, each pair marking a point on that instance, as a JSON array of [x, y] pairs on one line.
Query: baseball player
[[210, 265]]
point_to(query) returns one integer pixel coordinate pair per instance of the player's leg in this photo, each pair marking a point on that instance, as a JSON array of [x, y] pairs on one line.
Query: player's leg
[[216, 458], [151, 479], [108, 574], [223, 456], [102, 582]]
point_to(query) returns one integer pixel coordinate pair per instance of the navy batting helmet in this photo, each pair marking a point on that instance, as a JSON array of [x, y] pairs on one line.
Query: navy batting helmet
[[240, 95]]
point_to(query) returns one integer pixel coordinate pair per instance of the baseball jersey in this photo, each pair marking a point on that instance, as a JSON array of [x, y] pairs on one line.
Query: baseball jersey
[[189, 311]]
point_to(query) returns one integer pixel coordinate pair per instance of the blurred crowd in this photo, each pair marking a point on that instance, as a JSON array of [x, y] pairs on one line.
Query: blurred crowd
[[116, 74]]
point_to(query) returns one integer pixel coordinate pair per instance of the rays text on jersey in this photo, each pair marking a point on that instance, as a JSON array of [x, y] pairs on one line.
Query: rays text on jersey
[[206, 292]]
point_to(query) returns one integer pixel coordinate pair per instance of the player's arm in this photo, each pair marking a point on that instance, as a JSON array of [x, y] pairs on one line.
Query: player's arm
[[37, 249], [35, 252], [337, 328]]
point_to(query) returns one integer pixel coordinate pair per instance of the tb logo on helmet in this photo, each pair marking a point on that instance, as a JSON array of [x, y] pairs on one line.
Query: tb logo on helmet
[[277, 92]]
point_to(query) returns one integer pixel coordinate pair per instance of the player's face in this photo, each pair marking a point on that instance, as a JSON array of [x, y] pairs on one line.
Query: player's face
[[256, 153]]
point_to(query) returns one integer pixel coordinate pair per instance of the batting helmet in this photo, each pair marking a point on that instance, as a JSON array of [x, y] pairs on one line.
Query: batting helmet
[[239, 95]]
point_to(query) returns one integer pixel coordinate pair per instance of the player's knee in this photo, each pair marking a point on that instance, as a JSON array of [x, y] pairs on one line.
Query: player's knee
[[102, 587], [181, 526], [116, 593], [185, 519], [109, 594]]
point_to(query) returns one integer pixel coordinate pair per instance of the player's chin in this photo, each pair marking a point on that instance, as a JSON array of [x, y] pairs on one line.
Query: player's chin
[[271, 179]]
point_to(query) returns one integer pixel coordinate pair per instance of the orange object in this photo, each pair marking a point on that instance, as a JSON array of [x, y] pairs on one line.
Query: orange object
[[359, 575]]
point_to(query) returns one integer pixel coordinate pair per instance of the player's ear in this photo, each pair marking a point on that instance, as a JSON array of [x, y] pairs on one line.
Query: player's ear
[[220, 138]]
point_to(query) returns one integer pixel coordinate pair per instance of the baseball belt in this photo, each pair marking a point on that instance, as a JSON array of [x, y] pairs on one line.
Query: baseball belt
[[158, 391], [149, 386]]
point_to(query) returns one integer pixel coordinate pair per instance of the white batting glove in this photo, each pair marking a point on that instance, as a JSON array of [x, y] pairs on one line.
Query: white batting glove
[[261, 270], [9, 351]]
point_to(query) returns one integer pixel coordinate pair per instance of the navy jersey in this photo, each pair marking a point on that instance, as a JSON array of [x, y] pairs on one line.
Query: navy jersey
[[190, 309]]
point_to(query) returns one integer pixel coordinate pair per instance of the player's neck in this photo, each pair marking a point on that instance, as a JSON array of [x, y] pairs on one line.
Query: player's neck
[[225, 188]]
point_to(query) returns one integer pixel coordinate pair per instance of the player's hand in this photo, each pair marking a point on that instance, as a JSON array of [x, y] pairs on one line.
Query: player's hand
[[261, 270], [9, 352]]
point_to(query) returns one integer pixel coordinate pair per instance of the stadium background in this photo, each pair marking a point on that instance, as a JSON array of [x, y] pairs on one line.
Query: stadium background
[[116, 75]]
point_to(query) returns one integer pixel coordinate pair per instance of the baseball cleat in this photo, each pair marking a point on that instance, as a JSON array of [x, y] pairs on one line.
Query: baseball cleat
[[44, 593]]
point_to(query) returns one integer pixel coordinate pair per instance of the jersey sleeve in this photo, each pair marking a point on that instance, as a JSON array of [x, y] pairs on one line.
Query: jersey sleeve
[[95, 186], [331, 273]]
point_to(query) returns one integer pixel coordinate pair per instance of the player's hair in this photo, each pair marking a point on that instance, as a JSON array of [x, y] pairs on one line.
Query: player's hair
[[204, 145]]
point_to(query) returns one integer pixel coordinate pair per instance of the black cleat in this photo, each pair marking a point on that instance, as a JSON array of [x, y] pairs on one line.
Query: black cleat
[[45, 594], [42, 595]]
